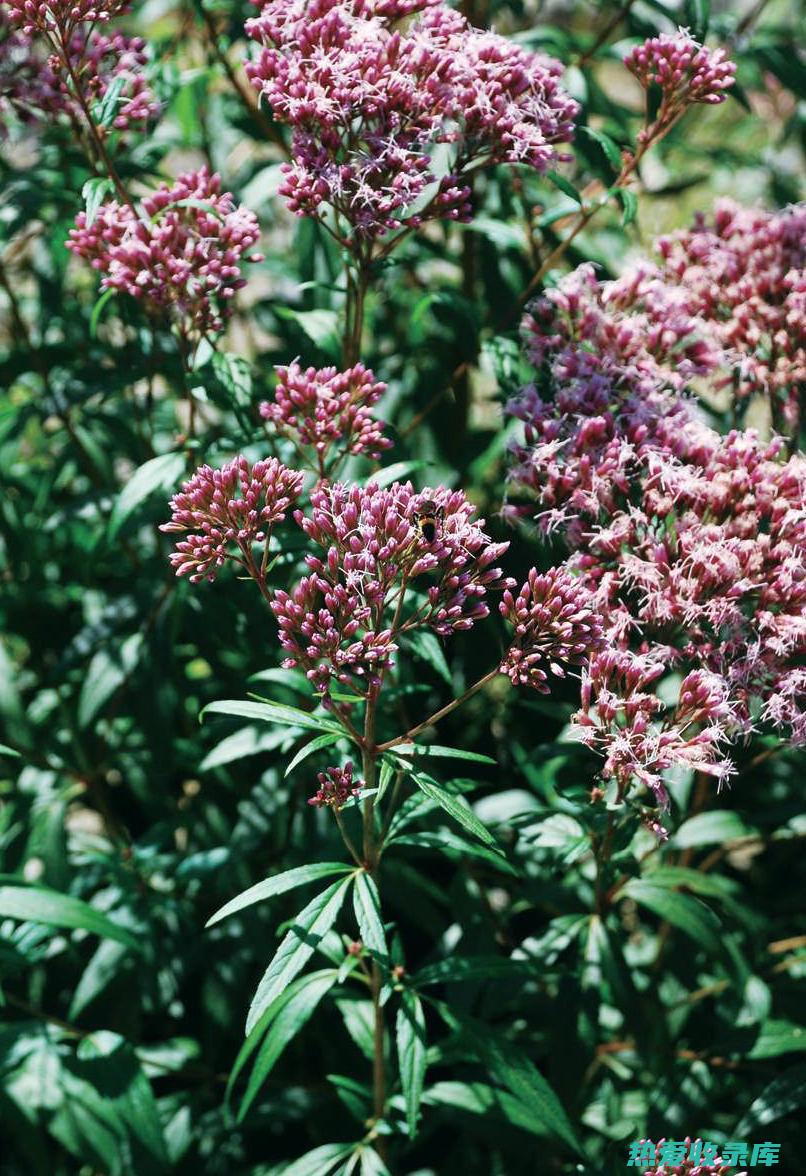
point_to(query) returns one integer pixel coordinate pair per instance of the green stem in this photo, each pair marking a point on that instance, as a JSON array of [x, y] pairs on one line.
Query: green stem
[[371, 856], [441, 713]]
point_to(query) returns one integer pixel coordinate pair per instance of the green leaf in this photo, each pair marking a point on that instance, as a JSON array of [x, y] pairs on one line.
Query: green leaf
[[109, 1062], [283, 1019], [160, 474], [456, 807], [629, 204], [279, 884], [272, 712], [242, 744], [309, 927], [777, 1038], [609, 146], [785, 1094], [235, 374], [108, 670], [315, 745], [9, 751], [319, 1162], [698, 13], [514, 1070], [565, 186], [93, 193], [101, 303], [367, 906], [453, 845], [106, 110], [321, 327], [41, 905], [435, 751], [481, 1099], [411, 1055], [425, 645], [684, 911], [458, 969], [711, 828]]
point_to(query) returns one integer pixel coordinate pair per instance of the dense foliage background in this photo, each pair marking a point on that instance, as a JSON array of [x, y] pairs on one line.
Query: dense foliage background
[[121, 1021]]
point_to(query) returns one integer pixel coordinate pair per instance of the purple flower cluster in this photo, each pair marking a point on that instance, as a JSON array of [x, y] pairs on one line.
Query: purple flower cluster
[[743, 276], [369, 98], [342, 622], [181, 255], [692, 544], [336, 786], [684, 70], [554, 625], [227, 511], [34, 82], [327, 411], [59, 17]]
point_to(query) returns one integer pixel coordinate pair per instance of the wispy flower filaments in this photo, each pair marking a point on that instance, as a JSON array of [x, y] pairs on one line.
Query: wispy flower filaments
[[180, 255], [368, 98], [693, 543]]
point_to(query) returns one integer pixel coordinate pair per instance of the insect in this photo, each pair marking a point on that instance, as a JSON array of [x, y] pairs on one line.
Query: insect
[[428, 519]]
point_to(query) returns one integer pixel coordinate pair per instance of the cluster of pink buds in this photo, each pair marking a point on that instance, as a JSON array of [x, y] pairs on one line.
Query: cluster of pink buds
[[369, 98], [684, 70], [336, 786], [228, 511], [555, 624], [180, 255], [327, 411], [59, 18], [393, 560], [34, 82]]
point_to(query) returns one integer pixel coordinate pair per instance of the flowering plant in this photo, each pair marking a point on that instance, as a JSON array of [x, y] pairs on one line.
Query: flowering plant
[[403, 604]]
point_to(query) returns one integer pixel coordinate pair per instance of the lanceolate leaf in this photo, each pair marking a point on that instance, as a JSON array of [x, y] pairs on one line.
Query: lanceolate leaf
[[455, 807], [288, 880], [411, 1053], [319, 1162], [39, 905], [367, 904], [273, 712], [681, 910], [297, 947], [284, 1018], [467, 968], [514, 1070]]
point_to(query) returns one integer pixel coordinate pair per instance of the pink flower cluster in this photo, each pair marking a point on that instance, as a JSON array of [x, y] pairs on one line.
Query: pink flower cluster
[[368, 99], [227, 512], [34, 83], [327, 411], [725, 303], [59, 17], [343, 621], [692, 544], [684, 70], [181, 255], [336, 786], [554, 625], [742, 276]]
